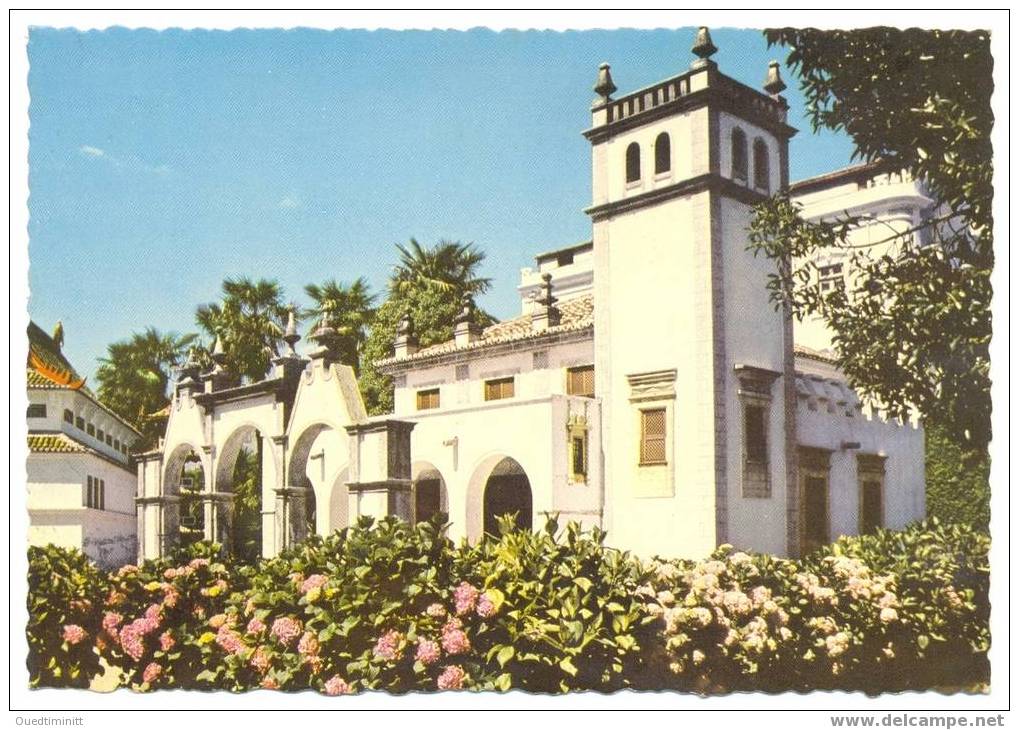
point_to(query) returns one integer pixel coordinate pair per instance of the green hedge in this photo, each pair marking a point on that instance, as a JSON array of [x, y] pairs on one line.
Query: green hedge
[[389, 606]]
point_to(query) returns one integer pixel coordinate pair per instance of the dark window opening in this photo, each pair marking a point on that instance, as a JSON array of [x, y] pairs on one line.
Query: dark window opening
[[756, 434], [761, 165], [652, 436], [871, 508], [739, 155], [633, 162], [663, 154], [68, 416], [499, 389], [580, 381], [37, 410]]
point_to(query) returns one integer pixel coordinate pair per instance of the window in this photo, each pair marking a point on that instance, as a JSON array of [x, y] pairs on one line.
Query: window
[[109, 440], [871, 470], [739, 155], [37, 410], [755, 434], [580, 381], [652, 436], [68, 416], [428, 399], [576, 433], [91, 430], [633, 162], [762, 173], [663, 154], [116, 444], [832, 278], [95, 493], [80, 423], [499, 389], [579, 446], [100, 435]]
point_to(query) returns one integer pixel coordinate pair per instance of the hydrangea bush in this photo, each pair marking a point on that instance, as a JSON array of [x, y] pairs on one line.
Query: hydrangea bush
[[389, 606]]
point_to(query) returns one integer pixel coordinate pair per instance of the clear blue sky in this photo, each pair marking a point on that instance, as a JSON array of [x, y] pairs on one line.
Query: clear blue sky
[[161, 163]]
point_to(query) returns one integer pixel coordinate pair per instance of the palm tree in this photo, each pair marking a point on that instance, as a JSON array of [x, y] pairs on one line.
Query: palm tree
[[134, 377], [446, 267], [350, 309], [249, 321]]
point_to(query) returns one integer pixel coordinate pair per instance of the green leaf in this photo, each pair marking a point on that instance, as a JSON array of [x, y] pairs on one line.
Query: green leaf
[[504, 655], [566, 664]]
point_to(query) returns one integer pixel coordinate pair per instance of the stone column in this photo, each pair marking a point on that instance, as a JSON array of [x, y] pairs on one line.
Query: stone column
[[291, 516], [218, 508], [380, 470]]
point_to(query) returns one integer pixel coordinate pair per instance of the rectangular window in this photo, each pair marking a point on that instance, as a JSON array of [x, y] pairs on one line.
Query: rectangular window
[[80, 423], [68, 416], [102, 494], [428, 399], [109, 440], [100, 435], [870, 507], [37, 410], [579, 449], [580, 381], [116, 444], [499, 389], [91, 430], [87, 499], [652, 436], [95, 493], [755, 434]]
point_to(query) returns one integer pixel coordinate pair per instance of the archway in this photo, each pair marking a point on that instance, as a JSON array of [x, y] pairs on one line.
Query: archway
[[318, 463], [184, 477], [240, 471], [507, 492], [429, 495]]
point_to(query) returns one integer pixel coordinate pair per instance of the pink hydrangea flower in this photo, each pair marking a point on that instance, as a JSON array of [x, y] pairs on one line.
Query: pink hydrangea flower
[[115, 598], [73, 633], [388, 646], [154, 612], [170, 573], [166, 640], [260, 659], [465, 597], [455, 641], [170, 598], [198, 563], [452, 677], [313, 581], [218, 620], [255, 626], [111, 621], [308, 645], [131, 641], [229, 640], [428, 651], [270, 683], [285, 629], [127, 570], [436, 610], [336, 686], [152, 672], [485, 607]]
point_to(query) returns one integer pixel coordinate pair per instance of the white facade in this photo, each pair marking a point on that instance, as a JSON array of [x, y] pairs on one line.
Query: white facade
[[648, 387], [80, 482]]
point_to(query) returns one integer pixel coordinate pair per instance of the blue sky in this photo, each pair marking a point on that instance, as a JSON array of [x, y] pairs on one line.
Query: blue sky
[[163, 162]]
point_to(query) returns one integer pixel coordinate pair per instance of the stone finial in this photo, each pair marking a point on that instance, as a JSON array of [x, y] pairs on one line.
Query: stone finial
[[290, 335], [406, 342], [466, 330], [703, 48], [218, 353], [58, 335], [325, 338], [604, 87], [546, 314], [773, 83]]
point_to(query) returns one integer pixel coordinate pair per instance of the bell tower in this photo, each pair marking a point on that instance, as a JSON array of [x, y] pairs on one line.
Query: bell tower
[[693, 364]]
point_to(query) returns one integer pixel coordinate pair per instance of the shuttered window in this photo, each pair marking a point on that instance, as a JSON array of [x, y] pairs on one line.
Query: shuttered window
[[580, 381], [652, 436], [428, 399], [499, 389]]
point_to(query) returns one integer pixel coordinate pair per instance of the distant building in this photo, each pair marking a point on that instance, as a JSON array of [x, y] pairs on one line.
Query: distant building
[[80, 481], [648, 387]]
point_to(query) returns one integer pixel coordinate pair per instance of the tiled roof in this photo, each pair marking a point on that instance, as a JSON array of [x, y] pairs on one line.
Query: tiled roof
[[812, 354], [47, 367], [54, 443], [577, 313]]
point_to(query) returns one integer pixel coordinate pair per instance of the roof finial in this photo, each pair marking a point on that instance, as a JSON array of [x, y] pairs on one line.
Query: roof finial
[[290, 335], [703, 48], [604, 87], [58, 335], [773, 83]]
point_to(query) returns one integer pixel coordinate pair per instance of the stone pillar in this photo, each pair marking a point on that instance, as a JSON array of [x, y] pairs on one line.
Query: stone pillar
[[291, 516], [219, 510], [380, 470]]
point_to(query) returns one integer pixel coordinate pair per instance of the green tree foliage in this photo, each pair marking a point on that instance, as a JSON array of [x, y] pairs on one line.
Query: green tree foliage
[[429, 284], [958, 481], [250, 319], [134, 377], [350, 308], [247, 517], [914, 326]]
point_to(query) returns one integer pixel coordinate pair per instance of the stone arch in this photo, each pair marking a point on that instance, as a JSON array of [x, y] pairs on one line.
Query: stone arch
[[429, 491], [318, 463], [498, 485], [240, 520], [183, 512]]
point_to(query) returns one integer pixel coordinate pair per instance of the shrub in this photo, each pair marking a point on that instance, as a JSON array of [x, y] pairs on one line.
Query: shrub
[[65, 594]]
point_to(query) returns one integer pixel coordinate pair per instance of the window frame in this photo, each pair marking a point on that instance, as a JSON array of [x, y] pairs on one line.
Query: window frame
[[500, 383], [423, 396], [661, 157], [69, 416], [631, 164], [870, 468], [581, 370], [643, 438]]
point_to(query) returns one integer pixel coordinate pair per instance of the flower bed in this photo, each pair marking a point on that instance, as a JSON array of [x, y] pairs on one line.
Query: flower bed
[[394, 607]]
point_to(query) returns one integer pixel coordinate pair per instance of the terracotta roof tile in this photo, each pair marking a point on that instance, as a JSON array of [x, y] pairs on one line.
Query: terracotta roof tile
[[577, 313], [54, 443]]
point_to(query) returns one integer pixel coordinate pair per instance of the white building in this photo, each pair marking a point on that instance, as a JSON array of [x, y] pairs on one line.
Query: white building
[[648, 386], [80, 482]]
